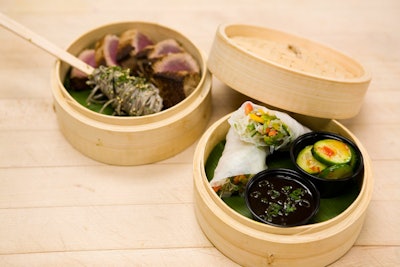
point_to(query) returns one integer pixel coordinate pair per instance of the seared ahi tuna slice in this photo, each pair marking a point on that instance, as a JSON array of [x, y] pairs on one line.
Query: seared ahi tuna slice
[[165, 47], [78, 78], [106, 50], [175, 87], [88, 57], [176, 75], [179, 62], [132, 42]]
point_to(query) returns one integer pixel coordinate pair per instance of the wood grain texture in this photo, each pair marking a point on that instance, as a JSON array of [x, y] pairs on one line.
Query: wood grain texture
[[32, 37], [60, 208]]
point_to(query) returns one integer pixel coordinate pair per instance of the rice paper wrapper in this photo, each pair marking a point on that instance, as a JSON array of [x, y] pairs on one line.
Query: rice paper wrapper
[[252, 131], [245, 154], [238, 158]]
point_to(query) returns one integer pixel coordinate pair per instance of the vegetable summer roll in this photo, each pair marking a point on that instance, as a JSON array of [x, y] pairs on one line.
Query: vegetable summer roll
[[255, 133], [264, 127], [239, 161]]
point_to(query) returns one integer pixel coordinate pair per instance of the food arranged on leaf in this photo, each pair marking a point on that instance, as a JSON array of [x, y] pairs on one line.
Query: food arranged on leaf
[[135, 75], [255, 132], [259, 139]]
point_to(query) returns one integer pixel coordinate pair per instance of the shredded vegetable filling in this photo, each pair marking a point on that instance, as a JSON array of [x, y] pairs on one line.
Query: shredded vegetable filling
[[266, 128]]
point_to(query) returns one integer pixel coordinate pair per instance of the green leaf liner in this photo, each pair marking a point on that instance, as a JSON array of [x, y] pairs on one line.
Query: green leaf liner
[[213, 159], [81, 95], [329, 207]]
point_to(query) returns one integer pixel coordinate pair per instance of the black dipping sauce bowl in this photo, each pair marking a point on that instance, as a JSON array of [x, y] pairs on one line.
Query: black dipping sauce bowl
[[281, 197], [329, 187]]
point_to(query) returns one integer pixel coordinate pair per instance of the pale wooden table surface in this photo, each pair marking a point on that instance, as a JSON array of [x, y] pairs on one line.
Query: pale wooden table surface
[[60, 208]]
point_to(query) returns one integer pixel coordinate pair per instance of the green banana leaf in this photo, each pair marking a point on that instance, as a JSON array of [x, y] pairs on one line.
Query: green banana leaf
[[81, 95], [329, 207]]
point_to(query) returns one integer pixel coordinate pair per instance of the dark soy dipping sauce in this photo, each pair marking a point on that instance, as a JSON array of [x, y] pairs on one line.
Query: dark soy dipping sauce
[[280, 200]]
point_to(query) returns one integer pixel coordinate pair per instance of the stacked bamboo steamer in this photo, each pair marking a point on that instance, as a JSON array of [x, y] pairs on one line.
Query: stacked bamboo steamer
[[132, 140], [316, 85]]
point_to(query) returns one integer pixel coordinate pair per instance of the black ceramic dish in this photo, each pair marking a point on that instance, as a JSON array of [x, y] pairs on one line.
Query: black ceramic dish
[[328, 187], [281, 197]]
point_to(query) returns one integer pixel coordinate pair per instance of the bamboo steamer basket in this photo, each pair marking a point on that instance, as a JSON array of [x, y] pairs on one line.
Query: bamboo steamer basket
[[246, 241], [289, 72], [251, 243], [132, 140]]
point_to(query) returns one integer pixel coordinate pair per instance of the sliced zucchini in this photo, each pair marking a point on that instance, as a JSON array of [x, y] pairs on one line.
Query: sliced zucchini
[[307, 162], [331, 151], [337, 171], [354, 158]]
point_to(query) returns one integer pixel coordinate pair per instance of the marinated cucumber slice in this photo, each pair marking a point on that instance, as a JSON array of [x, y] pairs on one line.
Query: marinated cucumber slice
[[337, 171], [354, 158], [331, 151], [307, 162]]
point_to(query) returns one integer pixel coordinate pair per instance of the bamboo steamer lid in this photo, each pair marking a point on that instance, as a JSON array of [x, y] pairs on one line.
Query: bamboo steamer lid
[[251, 243], [132, 140], [288, 72]]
